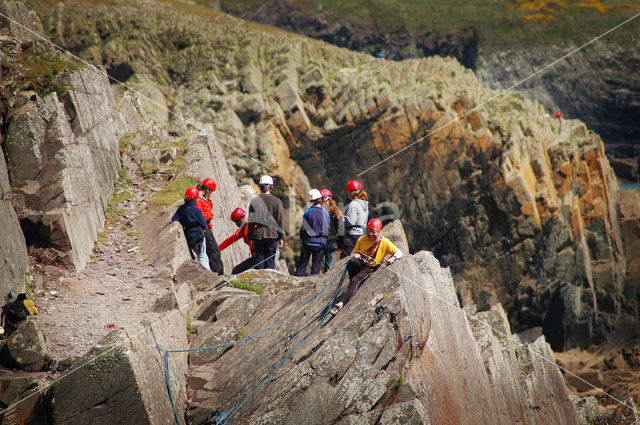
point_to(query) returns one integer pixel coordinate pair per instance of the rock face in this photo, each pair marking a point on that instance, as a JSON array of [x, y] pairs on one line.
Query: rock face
[[15, 262], [401, 351], [525, 212], [597, 85], [64, 156]]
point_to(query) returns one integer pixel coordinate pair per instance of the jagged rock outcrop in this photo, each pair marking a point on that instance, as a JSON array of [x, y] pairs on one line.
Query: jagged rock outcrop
[[524, 211], [597, 84], [14, 264], [401, 351], [64, 157]]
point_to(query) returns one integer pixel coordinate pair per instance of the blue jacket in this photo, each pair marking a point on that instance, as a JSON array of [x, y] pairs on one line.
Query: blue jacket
[[316, 224], [192, 220]]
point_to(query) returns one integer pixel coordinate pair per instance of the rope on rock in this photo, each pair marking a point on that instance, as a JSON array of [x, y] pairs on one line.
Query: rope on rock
[[413, 344], [223, 417]]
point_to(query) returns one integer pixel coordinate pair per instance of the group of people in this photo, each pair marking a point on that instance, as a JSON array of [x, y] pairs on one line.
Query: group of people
[[325, 232]]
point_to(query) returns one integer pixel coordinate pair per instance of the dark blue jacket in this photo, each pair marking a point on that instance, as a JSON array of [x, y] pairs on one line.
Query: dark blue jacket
[[316, 223], [192, 220]]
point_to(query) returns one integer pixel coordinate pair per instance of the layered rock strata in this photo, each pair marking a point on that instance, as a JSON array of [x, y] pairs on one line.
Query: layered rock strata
[[64, 156]]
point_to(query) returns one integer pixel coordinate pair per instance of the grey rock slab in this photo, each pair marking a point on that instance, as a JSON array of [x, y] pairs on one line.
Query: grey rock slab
[[122, 380], [26, 347]]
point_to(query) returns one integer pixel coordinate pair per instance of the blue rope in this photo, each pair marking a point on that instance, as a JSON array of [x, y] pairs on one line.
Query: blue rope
[[224, 416]]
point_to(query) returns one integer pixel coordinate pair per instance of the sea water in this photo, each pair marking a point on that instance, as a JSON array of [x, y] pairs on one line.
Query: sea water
[[634, 186]]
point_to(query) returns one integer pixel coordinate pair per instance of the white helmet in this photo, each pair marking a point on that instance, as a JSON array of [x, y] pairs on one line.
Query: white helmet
[[314, 195], [266, 180]]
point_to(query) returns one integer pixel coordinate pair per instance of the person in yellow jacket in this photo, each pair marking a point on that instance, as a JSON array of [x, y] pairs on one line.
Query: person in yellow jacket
[[368, 254]]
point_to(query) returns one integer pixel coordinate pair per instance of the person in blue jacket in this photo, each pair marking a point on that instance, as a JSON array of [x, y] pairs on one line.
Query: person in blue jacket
[[316, 223], [194, 225]]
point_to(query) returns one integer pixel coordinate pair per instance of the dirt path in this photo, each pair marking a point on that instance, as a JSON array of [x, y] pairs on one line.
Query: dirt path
[[115, 290]]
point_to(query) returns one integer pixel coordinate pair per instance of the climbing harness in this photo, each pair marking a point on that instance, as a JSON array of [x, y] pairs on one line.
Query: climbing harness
[[221, 418]]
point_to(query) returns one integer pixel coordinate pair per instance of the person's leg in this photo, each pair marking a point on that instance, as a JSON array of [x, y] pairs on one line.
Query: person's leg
[[245, 265], [201, 250], [260, 254], [303, 261], [349, 243], [355, 282], [213, 253], [271, 249], [329, 256], [317, 255]]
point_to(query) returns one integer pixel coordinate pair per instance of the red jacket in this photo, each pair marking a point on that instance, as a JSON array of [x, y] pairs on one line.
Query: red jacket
[[242, 232], [206, 207]]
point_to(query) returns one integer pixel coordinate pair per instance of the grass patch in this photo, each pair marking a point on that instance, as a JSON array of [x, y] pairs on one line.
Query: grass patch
[[240, 335], [171, 193], [102, 237], [189, 319], [241, 284]]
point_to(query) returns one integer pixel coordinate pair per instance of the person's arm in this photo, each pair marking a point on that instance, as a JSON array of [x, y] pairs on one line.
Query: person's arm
[[237, 235], [396, 254]]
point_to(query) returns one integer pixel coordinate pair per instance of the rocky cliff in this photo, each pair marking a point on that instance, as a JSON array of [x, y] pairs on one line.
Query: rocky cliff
[[388, 357], [523, 210], [596, 85]]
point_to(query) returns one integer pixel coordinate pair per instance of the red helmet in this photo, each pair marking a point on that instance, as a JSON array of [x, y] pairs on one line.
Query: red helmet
[[210, 183], [237, 214], [192, 193], [354, 185], [326, 193], [374, 224]]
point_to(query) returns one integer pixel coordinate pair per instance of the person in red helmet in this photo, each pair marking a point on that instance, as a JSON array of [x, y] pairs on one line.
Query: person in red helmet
[[193, 224], [239, 217], [204, 203], [336, 220], [356, 215], [368, 254]]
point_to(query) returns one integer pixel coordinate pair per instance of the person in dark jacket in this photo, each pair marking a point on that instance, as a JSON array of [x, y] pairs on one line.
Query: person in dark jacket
[[316, 223], [266, 225], [194, 225], [205, 204]]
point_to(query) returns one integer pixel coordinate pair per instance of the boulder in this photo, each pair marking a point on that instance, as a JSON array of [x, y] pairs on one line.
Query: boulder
[[176, 298], [26, 348], [211, 334], [20, 22], [122, 379], [22, 399]]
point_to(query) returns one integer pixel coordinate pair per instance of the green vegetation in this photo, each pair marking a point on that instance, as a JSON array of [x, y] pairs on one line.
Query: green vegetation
[[242, 284], [400, 380], [171, 193], [240, 335], [189, 319], [43, 73], [499, 24]]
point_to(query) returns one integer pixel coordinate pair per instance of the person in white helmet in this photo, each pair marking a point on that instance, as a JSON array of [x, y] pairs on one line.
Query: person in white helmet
[[316, 223], [266, 224]]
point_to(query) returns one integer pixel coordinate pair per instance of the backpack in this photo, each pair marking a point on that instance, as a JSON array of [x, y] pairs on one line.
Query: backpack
[[14, 313]]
